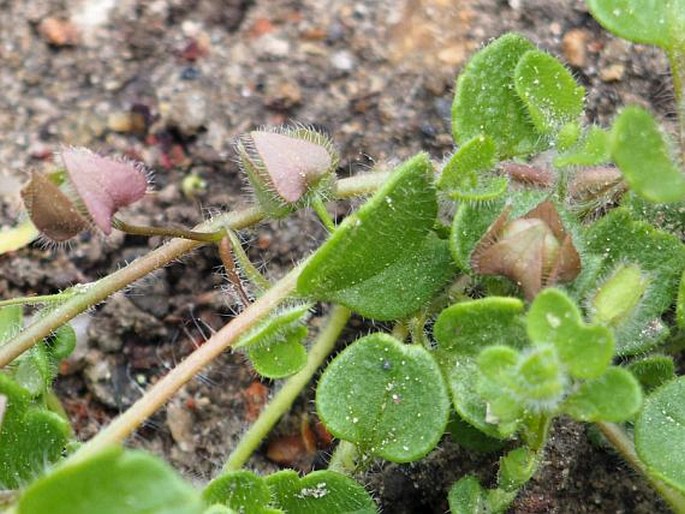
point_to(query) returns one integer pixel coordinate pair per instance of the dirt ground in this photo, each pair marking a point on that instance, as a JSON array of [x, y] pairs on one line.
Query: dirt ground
[[173, 83]]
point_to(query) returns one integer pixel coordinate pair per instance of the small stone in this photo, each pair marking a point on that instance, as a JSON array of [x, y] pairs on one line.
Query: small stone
[[180, 423], [612, 73], [58, 32], [120, 122], [574, 46], [282, 95], [273, 46], [188, 111], [343, 60]]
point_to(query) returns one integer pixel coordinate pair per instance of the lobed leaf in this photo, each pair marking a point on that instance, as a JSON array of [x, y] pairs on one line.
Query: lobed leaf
[[660, 433], [319, 492], [112, 482], [242, 491], [280, 358], [383, 250], [386, 397], [655, 22], [548, 90], [615, 396], [653, 371], [467, 496], [485, 101], [591, 150], [641, 152]]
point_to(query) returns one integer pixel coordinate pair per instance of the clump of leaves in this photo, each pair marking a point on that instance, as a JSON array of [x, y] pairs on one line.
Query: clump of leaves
[[549, 291]]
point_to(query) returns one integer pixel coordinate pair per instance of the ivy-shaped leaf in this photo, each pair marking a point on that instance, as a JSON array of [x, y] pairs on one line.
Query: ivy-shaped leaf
[[642, 153], [465, 176], [30, 436], [653, 371], [549, 91], [112, 482], [386, 397], [591, 150], [280, 358], [485, 101], [660, 433], [615, 396], [655, 22], [386, 238], [587, 350], [242, 491], [462, 331], [619, 239], [319, 492], [467, 496]]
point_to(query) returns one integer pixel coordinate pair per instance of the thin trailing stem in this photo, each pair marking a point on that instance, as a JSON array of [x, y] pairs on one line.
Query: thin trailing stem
[[192, 235], [40, 299], [285, 397], [162, 391], [623, 444], [226, 255], [98, 291]]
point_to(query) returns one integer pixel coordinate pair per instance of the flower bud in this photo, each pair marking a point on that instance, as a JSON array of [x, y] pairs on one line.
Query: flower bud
[[95, 189], [534, 250], [284, 166]]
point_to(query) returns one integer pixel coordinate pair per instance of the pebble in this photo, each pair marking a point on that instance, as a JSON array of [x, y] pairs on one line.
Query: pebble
[[282, 95], [58, 32], [574, 47], [343, 60], [273, 46], [612, 73], [188, 111]]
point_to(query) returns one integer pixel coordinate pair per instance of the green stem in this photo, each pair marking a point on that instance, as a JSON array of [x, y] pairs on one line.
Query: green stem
[[624, 445], [319, 208], [252, 273], [676, 60], [162, 391], [39, 299], [292, 388], [140, 230], [344, 458]]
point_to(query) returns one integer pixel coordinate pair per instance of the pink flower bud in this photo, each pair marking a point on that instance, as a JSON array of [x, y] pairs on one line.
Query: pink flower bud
[[104, 185]]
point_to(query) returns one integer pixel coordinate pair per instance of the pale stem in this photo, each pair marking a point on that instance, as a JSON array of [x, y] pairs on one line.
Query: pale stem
[[162, 391], [181, 233], [344, 458], [39, 299], [98, 291], [676, 60], [246, 266], [624, 445], [284, 398]]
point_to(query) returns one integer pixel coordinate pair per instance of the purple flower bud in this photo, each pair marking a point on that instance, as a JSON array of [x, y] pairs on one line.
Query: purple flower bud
[[104, 185]]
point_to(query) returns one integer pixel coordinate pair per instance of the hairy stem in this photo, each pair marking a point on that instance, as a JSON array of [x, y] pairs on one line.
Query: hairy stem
[[285, 397], [246, 266], [162, 391], [319, 208], [98, 291], [39, 299], [181, 233], [344, 458], [623, 444]]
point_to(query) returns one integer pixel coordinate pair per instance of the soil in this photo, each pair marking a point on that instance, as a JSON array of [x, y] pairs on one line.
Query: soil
[[173, 83]]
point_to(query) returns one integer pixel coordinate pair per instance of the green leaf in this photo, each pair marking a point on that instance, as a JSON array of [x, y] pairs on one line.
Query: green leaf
[[587, 350], [669, 217], [462, 331], [280, 358], [516, 468], [466, 496], [242, 491], [615, 396], [619, 295], [411, 281], [552, 96], [11, 321], [619, 239], [386, 397], [654, 22], [30, 437], [275, 327], [485, 101], [112, 482], [464, 176], [391, 229], [591, 150], [61, 345], [653, 371], [660, 433], [642, 153], [469, 437], [319, 492]]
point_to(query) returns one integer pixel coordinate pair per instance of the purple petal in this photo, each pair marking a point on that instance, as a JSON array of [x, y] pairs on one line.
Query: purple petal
[[104, 185]]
